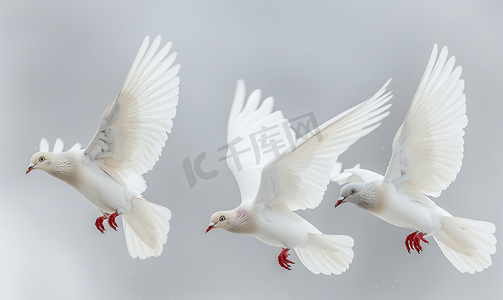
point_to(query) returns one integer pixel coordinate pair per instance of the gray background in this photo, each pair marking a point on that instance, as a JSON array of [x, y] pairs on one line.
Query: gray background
[[62, 63]]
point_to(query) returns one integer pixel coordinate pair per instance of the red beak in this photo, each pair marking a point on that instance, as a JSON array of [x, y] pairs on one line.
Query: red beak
[[30, 168], [209, 228], [339, 202]]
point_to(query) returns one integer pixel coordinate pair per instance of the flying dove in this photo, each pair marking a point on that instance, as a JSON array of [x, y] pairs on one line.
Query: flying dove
[[129, 140], [427, 155], [273, 185]]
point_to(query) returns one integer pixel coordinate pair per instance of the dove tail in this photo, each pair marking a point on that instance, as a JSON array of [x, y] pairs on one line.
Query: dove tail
[[326, 254], [467, 244], [146, 228]]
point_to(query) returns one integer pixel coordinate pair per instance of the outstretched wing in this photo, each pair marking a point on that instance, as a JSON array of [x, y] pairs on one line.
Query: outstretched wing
[[132, 130], [249, 121], [428, 147], [299, 177]]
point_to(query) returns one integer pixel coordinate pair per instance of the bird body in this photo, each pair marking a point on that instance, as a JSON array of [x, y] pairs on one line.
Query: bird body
[[272, 187], [283, 229], [128, 142], [103, 191], [427, 155], [399, 209]]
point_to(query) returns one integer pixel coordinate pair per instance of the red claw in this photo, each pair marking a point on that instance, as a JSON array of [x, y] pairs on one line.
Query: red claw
[[111, 221], [413, 241], [99, 224], [283, 259]]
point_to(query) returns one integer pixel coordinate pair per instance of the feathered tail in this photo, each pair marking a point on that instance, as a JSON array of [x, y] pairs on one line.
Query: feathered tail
[[467, 244], [326, 254], [146, 228]]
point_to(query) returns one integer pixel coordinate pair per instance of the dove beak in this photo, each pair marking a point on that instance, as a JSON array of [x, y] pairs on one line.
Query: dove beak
[[212, 225], [30, 168], [340, 201]]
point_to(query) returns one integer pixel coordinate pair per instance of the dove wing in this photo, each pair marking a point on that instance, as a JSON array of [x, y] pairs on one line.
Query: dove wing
[[58, 146], [356, 175], [428, 147], [248, 121], [132, 130], [300, 177]]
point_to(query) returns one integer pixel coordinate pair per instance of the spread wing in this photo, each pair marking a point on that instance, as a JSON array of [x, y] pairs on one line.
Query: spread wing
[[250, 123], [428, 147], [133, 129], [299, 177]]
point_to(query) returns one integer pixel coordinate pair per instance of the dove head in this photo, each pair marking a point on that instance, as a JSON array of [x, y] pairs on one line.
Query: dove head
[[56, 163], [235, 220], [41, 161], [59, 165], [362, 194]]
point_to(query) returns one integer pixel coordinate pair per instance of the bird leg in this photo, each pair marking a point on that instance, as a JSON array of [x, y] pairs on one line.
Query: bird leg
[[99, 224], [413, 241], [111, 221], [283, 259]]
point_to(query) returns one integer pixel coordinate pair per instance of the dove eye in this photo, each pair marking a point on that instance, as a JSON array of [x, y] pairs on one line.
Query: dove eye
[[41, 159], [352, 192], [221, 219]]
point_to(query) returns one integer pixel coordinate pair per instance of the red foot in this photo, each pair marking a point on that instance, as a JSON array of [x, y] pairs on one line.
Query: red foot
[[413, 241], [111, 221], [283, 259], [99, 224]]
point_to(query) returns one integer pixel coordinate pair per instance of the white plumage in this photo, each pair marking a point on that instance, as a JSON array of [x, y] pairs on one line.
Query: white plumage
[[274, 184], [427, 156], [132, 132]]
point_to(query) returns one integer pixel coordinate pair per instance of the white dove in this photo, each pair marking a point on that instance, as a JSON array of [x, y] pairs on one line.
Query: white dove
[[427, 154], [129, 141], [272, 186]]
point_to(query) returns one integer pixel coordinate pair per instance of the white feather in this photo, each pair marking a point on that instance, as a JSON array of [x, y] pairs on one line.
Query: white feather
[[245, 121], [132, 130], [44, 145], [58, 146], [428, 147]]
